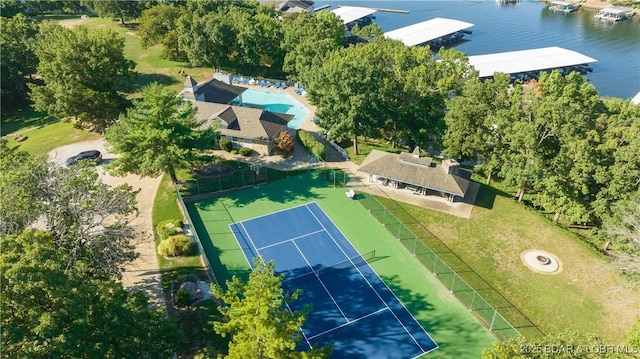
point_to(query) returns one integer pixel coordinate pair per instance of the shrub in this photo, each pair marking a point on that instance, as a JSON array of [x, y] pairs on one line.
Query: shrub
[[234, 152], [177, 245], [226, 144], [284, 144], [181, 298], [168, 228], [312, 145], [245, 151]]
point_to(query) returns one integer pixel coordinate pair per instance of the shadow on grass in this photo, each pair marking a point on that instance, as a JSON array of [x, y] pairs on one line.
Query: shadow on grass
[[24, 118], [487, 196], [144, 79]]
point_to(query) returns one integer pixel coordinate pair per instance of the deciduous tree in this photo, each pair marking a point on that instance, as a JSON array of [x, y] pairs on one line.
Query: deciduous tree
[[48, 311], [257, 319], [307, 39], [84, 73], [158, 25], [87, 218], [160, 134], [115, 9], [284, 144], [18, 60]]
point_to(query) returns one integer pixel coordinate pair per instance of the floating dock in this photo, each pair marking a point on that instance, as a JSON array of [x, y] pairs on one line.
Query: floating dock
[[530, 61], [434, 32]]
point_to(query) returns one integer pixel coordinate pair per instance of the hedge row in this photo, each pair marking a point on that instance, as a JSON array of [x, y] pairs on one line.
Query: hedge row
[[313, 146]]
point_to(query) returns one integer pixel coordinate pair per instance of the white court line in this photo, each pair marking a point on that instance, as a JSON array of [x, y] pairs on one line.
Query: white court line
[[321, 283], [300, 328], [345, 324], [290, 240], [371, 286], [270, 213], [251, 244]]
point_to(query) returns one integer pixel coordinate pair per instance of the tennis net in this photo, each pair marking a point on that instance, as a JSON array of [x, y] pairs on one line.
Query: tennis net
[[347, 263]]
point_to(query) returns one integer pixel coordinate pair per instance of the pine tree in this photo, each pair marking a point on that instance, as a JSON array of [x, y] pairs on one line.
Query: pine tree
[[258, 320]]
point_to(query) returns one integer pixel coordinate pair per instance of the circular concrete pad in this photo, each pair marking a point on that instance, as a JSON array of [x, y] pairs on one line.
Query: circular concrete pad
[[541, 261]]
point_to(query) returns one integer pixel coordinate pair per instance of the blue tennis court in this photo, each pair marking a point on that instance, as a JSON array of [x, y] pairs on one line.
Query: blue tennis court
[[351, 306]]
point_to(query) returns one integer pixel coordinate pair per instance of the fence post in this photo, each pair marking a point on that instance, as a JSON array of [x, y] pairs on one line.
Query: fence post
[[473, 298], [495, 311], [415, 244], [435, 262], [453, 281]]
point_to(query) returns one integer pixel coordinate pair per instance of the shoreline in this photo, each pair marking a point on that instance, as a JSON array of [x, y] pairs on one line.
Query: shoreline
[[598, 5]]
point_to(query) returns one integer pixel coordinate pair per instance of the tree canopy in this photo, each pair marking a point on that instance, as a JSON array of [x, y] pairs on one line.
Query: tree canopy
[[47, 311], [384, 88], [88, 219], [18, 59], [159, 134], [158, 25], [554, 136], [257, 319], [116, 9], [83, 72]]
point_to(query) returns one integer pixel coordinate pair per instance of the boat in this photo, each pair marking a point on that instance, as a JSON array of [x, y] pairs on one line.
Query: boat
[[563, 6], [611, 14]]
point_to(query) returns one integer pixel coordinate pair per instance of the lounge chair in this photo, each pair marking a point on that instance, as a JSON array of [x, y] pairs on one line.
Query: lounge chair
[[267, 84], [277, 85], [298, 91], [283, 85]]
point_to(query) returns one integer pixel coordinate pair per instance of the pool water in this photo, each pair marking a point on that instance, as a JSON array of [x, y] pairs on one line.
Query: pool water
[[275, 102]]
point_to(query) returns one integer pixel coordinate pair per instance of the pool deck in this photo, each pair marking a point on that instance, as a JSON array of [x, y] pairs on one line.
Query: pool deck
[[307, 123]]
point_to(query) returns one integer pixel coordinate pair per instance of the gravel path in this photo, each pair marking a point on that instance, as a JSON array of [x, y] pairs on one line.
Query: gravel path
[[143, 273]]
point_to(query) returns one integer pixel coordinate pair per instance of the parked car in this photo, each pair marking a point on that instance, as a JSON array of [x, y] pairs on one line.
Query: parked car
[[93, 155]]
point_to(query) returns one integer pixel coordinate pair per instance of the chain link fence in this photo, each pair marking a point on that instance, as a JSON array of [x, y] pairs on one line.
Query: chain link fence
[[468, 296]]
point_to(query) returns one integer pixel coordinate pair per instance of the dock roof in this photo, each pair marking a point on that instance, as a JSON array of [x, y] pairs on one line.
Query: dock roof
[[514, 62], [422, 32], [350, 14], [613, 10]]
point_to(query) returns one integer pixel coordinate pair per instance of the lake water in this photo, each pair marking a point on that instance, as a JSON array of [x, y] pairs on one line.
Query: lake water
[[527, 25]]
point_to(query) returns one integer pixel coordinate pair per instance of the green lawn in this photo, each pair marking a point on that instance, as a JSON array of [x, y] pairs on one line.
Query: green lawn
[[488, 246], [195, 323], [41, 140], [456, 331]]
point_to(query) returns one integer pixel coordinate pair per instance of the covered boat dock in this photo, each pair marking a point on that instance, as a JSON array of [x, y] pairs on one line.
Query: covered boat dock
[[527, 64], [352, 15], [435, 32]]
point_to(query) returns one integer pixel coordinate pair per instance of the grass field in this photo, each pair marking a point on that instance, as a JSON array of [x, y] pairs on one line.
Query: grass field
[[587, 295], [150, 64], [455, 330]]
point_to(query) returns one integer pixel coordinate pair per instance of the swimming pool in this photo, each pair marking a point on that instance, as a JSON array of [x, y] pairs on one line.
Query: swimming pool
[[275, 102]]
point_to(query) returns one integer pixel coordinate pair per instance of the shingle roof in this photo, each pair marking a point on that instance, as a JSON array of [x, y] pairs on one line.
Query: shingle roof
[[212, 90], [244, 122], [432, 176]]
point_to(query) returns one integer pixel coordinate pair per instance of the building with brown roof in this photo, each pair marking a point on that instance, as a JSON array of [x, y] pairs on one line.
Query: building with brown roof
[[417, 174], [249, 127]]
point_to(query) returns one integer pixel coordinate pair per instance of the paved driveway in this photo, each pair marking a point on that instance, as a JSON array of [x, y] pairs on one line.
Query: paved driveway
[[142, 274]]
